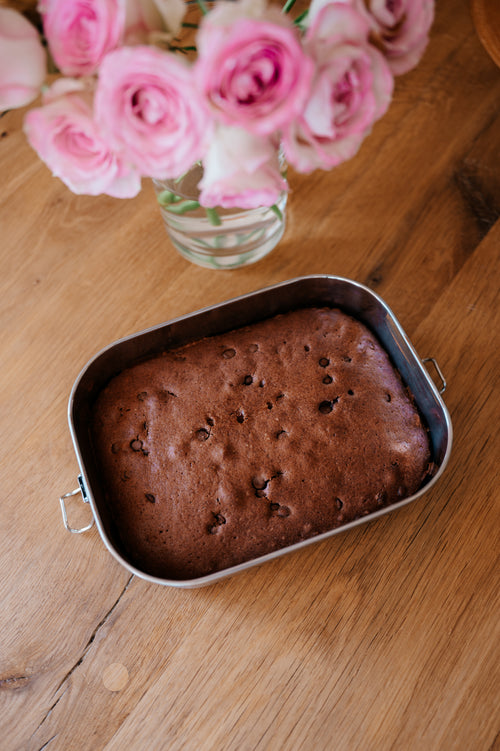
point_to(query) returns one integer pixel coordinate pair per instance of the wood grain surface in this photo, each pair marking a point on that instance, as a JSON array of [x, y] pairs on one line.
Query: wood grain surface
[[385, 637]]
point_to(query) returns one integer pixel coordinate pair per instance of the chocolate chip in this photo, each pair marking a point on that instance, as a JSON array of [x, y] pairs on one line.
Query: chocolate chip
[[327, 379], [262, 384], [163, 395], [387, 397], [210, 422], [115, 448], [202, 434], [278, 510], [219, 520], [136, 444], [240, 417], [280, 396], [269, 405], [327, 406], [248, 379], [259, 482], [306, 348], [324, 362], [280, 433], [150, 497], [350, 392], [347, 359], [228, 353], [338, 503], [142, 396]]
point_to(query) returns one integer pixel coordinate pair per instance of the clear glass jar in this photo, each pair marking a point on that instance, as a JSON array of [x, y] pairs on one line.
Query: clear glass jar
[[217, 238]]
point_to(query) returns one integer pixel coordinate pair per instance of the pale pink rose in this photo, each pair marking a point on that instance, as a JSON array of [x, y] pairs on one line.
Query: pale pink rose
[[147, 20], [81, 32], [251, 69], [67, 139], [402, 28], [241, 170], [22, 60], [352, 88], [399, 27], [147, 104]]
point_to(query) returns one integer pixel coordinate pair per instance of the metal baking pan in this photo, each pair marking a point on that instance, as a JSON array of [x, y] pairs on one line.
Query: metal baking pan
[[318, 290]]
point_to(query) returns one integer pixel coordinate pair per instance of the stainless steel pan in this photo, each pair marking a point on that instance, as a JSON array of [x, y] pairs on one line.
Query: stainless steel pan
[[318, 290]]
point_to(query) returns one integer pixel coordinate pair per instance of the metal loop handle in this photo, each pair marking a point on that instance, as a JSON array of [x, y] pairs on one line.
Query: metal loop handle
[[73, 530], [438, 371]]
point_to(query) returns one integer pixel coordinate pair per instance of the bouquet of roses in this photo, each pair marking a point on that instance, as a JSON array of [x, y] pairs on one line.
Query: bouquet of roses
[[133, 102]]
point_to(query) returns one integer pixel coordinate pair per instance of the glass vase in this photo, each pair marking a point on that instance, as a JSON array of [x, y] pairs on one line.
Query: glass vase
[[217, 238]]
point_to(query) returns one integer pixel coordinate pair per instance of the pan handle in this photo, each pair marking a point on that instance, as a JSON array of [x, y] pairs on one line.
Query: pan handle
[[62, 500], [438, 371]]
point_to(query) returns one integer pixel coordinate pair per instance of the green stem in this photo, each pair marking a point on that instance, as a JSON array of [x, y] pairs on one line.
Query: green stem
[[288, 6], [277, 211], [203, 7], [186, 25], [301, 18], [184, 49], [166, 197], [213, 217], [182, 207]]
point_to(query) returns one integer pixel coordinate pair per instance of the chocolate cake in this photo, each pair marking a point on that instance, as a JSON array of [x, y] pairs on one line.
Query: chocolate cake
[[241, 443]]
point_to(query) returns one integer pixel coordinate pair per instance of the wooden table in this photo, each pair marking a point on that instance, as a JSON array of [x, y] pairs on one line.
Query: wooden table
[[386, 637]]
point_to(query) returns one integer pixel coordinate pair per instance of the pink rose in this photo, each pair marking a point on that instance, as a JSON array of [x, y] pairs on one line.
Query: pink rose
[[251, 69], [147, 19], [22, 60], [402, 28], [68, 140], [81, 32], [399, 27], [352, 88], [241, 170], [147, 105]]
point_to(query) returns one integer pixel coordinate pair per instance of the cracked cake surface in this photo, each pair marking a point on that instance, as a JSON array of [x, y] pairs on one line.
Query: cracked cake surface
[[238, 444]]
